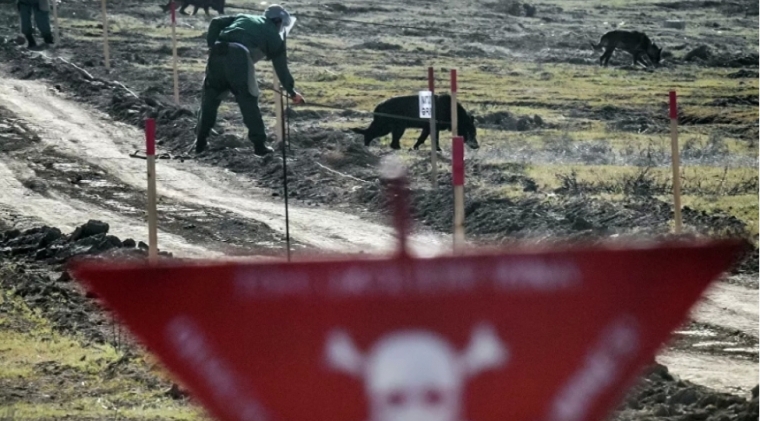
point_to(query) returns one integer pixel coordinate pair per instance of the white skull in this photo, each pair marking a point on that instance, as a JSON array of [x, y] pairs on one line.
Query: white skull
[[415, 375]]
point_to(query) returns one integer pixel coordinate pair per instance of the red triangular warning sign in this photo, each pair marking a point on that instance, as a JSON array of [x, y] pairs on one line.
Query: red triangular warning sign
[[541, 335]]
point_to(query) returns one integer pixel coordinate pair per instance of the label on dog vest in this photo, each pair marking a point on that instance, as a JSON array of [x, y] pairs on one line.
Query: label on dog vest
[[426, 107], [542, 335]]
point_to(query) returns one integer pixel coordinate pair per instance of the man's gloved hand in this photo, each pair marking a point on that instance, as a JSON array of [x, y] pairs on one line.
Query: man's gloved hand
[[298, 99]]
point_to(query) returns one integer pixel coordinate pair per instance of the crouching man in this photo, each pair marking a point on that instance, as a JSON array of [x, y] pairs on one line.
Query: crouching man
[[41, 11], [236, 43]]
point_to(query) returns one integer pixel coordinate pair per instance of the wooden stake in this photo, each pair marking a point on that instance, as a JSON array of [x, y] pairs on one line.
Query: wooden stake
[[106, 53], [433, 131], [150, 153], [57, 31], [676, 161], [174, 52], [458, 218]]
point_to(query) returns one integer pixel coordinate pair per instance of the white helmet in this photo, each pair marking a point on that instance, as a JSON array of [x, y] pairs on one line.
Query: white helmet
[[277, 13]]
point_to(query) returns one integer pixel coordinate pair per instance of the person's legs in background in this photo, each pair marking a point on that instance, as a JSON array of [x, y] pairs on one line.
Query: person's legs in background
[[239, 73], [25, 13], [42, 19]]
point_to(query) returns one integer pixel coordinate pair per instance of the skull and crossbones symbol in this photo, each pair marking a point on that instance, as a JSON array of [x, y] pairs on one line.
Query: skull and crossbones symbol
[[416, 375]]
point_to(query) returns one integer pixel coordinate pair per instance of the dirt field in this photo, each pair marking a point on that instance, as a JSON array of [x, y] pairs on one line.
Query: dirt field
[[568, 150]]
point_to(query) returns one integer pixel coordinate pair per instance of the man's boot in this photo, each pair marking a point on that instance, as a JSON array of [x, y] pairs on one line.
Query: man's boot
[[31, 42], [260, 147], [200, 144], [49, 39]]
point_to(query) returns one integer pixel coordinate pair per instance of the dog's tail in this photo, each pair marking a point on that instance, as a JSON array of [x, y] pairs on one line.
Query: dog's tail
[[358, 130], [166, 7]]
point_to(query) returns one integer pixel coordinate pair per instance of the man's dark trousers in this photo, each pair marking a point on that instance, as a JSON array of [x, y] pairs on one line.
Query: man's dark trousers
[[229, 70], [42, 19]]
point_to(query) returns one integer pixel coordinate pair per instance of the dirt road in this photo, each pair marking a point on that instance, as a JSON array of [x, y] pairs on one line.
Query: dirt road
[[720, 350]]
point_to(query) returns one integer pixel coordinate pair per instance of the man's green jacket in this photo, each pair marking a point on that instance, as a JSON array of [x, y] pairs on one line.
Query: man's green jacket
[[260, 36]]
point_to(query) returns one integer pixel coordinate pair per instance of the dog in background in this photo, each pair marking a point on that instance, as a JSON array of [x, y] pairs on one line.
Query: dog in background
[[217, 5], [635, 43]]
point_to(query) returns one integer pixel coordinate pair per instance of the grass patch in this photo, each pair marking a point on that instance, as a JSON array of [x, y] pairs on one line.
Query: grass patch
[[60, 376], [744, 207], [724, 181]]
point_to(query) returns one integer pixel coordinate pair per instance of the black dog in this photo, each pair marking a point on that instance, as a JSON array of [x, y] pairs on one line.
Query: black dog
[[217, 5], [635, 43], [407, 109]]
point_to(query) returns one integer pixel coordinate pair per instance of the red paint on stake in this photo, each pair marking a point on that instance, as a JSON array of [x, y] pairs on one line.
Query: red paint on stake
[[454, 80], [174, 13], [457, 160], [431, 80], [673, 106], [150, 137]]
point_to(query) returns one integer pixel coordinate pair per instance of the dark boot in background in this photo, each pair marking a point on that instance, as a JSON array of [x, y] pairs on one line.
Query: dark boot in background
[[31, 43], [200, 145], [260, 148]]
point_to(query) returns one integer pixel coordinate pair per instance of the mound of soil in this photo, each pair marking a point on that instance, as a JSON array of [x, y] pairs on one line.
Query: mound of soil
[[734, 60], [351, 10], [506, 120], [305, 115], [659, 395], [743, 73], [50, 245], [636, 124], [731, 8], [689, 119], [702, 52], [37, 274], [736, 100], [379, 46], [704, 55]]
